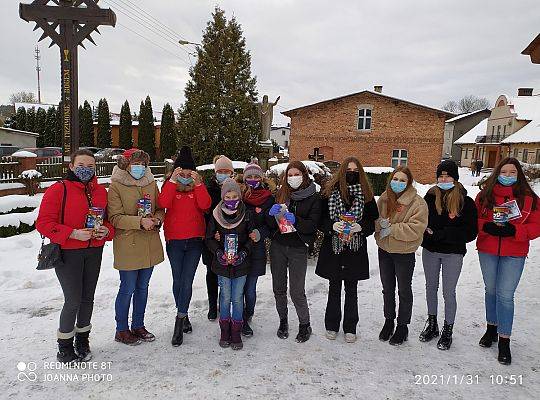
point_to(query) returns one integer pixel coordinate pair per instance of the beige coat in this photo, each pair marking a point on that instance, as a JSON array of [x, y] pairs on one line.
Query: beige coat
[[133, 247], [408, 223]]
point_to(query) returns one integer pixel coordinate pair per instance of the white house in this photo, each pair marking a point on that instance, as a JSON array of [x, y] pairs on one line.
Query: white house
[[281, 135]]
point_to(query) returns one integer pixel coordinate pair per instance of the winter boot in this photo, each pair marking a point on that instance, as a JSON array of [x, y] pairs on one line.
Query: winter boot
[[187, 326], [246, 329], [400, 335], [82, 345], [489, 337], [505, 357], [178, 334], [304, 332], [225, 326], [283, 330], [431, 329], [445, 341], [212, 311], [387, 330], [236, 337], [143, 334], [127, 337], [66, 352]]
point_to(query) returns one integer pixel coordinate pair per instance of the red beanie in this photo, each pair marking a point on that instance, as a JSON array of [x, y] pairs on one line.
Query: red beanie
[[128, 153]]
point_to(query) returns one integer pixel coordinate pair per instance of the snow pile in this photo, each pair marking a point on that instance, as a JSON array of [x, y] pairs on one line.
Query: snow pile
[[24, 154], [15, 219], [378, 170], [8, 203], [236, 165], [30, 174], [314, 167]]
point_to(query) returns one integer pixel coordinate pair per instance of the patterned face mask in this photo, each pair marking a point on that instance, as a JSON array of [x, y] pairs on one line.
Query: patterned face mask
[[231, 204], [84, 173], [253, 183]]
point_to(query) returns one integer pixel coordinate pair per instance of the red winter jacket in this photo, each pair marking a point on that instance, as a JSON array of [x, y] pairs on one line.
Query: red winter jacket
[[76, 209], [184, 218], [527, 227]]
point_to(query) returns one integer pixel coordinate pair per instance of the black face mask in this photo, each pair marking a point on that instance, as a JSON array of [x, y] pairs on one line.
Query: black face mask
[[352, 177]]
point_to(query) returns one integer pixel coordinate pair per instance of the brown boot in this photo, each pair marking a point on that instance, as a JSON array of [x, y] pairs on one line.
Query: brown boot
[[236, 337], [127, 337], [225, 326], [143, 334]]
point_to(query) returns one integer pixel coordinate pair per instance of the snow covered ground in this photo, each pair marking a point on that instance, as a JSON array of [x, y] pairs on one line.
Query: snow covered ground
[[268, 367]]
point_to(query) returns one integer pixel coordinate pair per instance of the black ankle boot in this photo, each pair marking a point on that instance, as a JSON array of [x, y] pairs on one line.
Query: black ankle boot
[[187, 325], [304, 333], [400, 335], [212, 311], [490, 336], [431, 329], [505, 357], [387, 330], [66, 352], [82, 346], [178, 334], [246, 329], [283, 330], [445, 341]]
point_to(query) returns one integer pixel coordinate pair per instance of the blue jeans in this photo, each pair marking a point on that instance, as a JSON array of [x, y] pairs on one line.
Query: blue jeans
[[231, 291], [501, 278], [250, 295], [184, 256], [132, 284]]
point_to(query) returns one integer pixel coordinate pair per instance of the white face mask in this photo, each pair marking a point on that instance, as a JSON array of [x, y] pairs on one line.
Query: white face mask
[[295, 181]]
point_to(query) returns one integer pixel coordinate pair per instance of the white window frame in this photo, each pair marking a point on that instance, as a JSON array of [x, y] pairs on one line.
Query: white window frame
[[362, 115], [401, 159]]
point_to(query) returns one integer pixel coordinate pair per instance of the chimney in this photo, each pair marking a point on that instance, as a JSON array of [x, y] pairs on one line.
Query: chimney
[[378, 88], [525, 91]]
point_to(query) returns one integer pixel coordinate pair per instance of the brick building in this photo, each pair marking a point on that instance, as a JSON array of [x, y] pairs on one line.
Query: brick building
[[380, 130]]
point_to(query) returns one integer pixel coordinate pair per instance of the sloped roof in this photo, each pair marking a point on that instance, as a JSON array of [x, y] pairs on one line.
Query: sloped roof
[[18, 132], [525, 107], [373, 93], [461, 116], [530, 133], [478, 130]]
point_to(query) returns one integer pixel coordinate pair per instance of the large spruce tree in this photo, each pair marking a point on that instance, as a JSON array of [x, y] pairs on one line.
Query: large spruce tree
[[126, 129], [20, 119], [40, 126], [167, 139], [146, 140], [31, 120], [219, 115], [86, 123], [49, 134], [104, 138]]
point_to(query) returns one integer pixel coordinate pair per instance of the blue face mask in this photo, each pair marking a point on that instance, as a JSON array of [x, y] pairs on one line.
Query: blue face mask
[[84, 173], [397, 186], [507, 180], [185, 181], [137, 171], [221, 177], [445, 185]]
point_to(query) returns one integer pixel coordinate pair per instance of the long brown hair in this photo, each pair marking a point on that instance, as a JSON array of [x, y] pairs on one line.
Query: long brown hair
[[339, 180], [451, 200], [392, 197], [520, 189], [284, 192]]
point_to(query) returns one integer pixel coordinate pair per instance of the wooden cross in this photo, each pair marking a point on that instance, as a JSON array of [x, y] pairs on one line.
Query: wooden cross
[[316, 156], [75, 21]]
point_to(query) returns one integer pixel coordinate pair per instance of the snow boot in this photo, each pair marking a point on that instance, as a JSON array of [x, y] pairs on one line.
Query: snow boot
[[187, 325], [283, 330], [445, 341], [66, 352], [400, 335], [225, 326], [236, 337], [304, 332], [505, 357], [431, 329], [387, 330], [489, 337], [178, 333], [82, 345]]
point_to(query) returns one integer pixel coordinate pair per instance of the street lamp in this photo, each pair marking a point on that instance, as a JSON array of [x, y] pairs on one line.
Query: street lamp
[[186, 42]]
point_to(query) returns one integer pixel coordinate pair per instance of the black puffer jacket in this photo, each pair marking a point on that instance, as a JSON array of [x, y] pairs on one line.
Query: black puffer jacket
[[450, 235], [214, 190]]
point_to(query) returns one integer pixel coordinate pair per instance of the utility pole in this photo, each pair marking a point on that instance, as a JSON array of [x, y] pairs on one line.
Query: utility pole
[[38, 69]]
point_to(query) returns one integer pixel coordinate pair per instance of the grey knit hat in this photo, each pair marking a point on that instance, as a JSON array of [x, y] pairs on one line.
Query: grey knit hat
[[230, 185]]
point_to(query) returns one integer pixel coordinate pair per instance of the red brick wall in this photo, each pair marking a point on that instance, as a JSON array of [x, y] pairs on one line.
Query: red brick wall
[[395, 125]]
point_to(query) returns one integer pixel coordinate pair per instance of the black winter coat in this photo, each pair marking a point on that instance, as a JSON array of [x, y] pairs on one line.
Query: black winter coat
[[258, 256], [244, 243], [450, 234], [308, 215], [349, 264], [214, 190]]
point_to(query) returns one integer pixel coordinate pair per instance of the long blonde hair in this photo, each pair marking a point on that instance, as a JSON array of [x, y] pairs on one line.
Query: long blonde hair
[[452, 200]]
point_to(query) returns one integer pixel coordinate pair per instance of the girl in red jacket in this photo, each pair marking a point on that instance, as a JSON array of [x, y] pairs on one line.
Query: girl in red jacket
[[186, 199], [67, 212], [508, 218]]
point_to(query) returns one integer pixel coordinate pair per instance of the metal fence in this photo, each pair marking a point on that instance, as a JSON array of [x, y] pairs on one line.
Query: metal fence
[[9, 169]]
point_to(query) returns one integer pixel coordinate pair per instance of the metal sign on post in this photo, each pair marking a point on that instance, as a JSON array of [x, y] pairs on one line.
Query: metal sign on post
[[68, 23]]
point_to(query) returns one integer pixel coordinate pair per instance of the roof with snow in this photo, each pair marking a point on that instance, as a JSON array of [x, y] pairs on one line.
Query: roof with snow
[[530, 133], [449, 114], [525, 107], [17, 132], [462, 116], [477, 131]]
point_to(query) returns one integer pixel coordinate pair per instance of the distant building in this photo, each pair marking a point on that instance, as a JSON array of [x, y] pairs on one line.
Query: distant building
[[16, 138], [115, 132], [281, 135], [533, 50], [456, 127]]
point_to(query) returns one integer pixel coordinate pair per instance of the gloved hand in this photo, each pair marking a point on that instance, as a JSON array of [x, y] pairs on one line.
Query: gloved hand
[[289, 216], [506, 230], [384, 223], [274, 210], [240, 258], [355, 228], [220, 256], [384, 232], [338, 226]]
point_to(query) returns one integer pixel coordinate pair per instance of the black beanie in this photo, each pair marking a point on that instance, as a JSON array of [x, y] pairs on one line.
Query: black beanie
[[450, 167], [184, 159]]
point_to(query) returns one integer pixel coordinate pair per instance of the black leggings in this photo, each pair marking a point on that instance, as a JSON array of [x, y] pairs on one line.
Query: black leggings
[[78, 278]]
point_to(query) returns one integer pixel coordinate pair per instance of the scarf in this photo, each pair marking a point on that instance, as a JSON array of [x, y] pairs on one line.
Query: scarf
[[336, 208], [226, 219], [302, 194], [257, 197]]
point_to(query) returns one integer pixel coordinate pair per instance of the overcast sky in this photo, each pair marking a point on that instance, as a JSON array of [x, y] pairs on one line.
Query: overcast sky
[[303, 50]]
